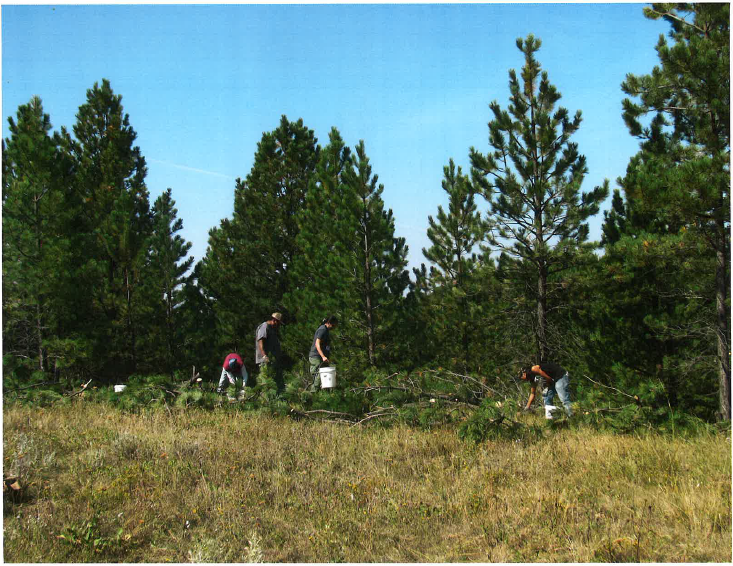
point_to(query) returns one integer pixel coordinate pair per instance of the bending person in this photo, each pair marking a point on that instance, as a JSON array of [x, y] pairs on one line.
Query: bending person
[[233, 369], [555, 380]]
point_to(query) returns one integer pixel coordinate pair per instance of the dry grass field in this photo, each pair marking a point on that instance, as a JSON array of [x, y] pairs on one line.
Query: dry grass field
[[100, 485]]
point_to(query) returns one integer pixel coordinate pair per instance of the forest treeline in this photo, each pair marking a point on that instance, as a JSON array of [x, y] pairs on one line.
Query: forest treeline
[[97, 281]]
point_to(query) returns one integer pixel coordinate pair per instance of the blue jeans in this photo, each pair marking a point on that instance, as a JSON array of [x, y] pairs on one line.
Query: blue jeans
[[562, 388], [232, 378]]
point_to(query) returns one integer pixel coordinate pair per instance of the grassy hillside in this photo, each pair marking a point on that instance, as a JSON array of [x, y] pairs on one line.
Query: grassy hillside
[[227, 486]]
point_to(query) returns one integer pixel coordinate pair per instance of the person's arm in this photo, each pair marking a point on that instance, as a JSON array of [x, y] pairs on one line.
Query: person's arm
[[531, 397], [318, 347], [538, 370], [261, 346]]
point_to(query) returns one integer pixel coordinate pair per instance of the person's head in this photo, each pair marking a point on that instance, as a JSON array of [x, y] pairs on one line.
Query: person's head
[[330, 321], [526, 373], [276, 319], [233, 365]]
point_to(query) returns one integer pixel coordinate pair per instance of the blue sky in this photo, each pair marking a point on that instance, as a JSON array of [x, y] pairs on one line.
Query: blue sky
[[201, 83]]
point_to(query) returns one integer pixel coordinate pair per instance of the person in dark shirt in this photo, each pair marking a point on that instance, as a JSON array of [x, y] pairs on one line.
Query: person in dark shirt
[[553, 378], [267, 348], [321, 349]]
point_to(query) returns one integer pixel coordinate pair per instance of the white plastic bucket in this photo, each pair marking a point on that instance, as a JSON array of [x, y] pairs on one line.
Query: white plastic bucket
[[548, 411], [120, 388], [328, 377]]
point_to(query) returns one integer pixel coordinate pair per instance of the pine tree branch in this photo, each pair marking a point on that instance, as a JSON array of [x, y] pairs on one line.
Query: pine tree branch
[[636, 398]]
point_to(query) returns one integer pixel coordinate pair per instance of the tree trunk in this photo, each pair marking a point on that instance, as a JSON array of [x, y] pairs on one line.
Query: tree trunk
[[130, 324], [542, 313], [39, 309], [169, 329], [39, 336], [721, 280], [368, 297]]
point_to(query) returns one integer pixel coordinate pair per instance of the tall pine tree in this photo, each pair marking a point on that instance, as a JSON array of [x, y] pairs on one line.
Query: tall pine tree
[[318, 289], [377, 258], [247, 265], [352, 264], [682, 173], [533, 179], [168, 264], [32, 197], [111, 217], [454, 236]]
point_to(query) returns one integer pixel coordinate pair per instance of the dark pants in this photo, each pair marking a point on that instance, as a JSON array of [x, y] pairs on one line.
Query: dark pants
[[315, 364], [279, 381]]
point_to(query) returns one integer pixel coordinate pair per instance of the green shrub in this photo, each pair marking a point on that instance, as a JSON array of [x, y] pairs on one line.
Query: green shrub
[[490, 421]]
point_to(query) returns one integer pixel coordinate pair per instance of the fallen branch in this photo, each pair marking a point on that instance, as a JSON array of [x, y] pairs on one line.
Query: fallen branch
[[477, 382], [335, 413], [634, 397], [83, 388], [415, 391], [310, 415], [370, 416]]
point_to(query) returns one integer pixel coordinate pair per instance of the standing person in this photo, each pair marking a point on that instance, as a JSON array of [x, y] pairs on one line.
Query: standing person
[[267, 347], [556, 381], [233, 369], [321, 349]]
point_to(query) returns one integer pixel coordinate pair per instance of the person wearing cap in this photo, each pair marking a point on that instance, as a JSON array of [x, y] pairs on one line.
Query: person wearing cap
[[321, 350], [233, 369], [267, 347], [553, 378]]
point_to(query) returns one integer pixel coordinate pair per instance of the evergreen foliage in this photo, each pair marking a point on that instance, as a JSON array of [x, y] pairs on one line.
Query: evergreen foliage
[[532, 180], [111, 226], [682, 172], [378, 260], [246, 270], [98, 286], [321, 287], [454, 273], [352, 265], [167, 266], [32, 195]]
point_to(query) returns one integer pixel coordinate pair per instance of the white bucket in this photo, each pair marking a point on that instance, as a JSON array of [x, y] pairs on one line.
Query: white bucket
[[328, 377], [548, 411], [120, 388]]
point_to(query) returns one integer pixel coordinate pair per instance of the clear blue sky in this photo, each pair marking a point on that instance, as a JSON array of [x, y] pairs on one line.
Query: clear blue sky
[[202, 83]]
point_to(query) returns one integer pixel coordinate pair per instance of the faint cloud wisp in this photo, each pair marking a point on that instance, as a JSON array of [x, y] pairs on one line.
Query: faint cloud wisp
[[192, 169]]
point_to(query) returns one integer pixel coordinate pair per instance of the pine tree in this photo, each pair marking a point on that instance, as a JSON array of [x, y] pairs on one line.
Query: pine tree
[[247, 264], [166, 270], [352, 265], [318, 288], [376, 257], [682, 172], [533, 180], [454, 236], [196, 319], [32, 195], [111, 217]]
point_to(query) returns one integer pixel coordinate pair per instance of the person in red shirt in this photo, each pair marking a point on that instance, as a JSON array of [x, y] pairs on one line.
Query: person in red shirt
[[233, 369]]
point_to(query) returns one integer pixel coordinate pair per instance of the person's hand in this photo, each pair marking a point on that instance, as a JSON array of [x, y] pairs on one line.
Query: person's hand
[[266, 359], [231, 380], [325, 360]]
